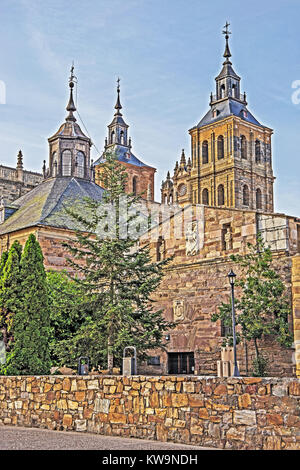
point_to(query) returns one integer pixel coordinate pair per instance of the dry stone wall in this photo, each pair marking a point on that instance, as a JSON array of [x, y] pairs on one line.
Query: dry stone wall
[[235, 413]]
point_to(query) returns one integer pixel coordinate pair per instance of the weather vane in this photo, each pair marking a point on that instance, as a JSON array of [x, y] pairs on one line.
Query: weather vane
[[118, 82]]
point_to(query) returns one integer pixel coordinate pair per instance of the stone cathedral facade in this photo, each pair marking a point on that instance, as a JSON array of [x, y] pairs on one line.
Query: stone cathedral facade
[[224, 192]]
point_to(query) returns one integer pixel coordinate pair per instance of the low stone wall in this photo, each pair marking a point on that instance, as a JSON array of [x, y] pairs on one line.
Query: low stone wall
[[234, 413]]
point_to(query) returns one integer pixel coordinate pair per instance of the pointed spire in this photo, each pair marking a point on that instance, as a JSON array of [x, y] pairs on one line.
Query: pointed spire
[[20, 160], [118, 103], [182, 160], [227, 52], [71, 106]]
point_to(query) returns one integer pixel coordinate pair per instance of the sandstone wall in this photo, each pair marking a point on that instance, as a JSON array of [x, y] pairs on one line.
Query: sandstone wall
[[236, 413], [296, 310]]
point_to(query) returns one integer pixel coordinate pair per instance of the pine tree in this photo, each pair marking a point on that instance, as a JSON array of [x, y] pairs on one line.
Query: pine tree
[[9, 291], [117, 274], [263, 307], [31, 326]]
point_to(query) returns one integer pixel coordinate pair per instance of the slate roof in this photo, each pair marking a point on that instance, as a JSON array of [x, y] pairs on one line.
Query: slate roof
[[45, 204], [124, 155], [226, 108]]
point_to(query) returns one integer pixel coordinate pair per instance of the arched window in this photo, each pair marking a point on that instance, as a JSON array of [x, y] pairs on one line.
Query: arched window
[[122, 140], [257, 151], [205, 196], [66, 163], [258, 199], [134, 185], [234, 91], [243, 147], [80, 160], [222, 90], [205, 151], [220, 147], [245, 195], [112, 137], [221, 199]]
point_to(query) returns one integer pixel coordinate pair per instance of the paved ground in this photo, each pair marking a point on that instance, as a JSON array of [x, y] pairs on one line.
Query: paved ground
[[17, 438]]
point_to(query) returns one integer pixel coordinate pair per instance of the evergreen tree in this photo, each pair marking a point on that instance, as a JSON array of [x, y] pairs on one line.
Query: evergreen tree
[[117, 274], [66, 304], [263, 308], [31, 326], [9, 291]]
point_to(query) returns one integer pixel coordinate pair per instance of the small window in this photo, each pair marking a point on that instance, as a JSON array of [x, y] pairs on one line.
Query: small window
[[134, 185], [220, 147], [225, 330], [153, 361]]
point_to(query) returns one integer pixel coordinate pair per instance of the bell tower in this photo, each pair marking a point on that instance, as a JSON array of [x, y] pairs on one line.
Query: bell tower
[[69, 147], [231, 157]]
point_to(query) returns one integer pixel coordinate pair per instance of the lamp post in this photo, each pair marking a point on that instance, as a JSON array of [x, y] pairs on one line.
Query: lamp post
[[231, 277]]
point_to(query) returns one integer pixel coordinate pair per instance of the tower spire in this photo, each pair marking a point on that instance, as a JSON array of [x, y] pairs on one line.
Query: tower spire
[[227, 52], [71, 106], [118, 103]]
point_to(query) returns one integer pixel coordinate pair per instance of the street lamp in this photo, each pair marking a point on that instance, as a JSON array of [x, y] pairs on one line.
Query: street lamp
[[231, 277]]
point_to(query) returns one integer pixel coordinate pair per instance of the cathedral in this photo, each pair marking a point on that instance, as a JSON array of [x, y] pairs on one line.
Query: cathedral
[[222, 194]]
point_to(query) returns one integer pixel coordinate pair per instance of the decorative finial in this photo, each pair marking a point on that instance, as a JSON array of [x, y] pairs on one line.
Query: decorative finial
[[226, 32], [20, 160], [182, 160], [71, 106], [118, 103]]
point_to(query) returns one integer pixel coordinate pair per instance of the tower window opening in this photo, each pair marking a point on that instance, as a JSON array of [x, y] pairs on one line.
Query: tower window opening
[[220, 147], [258, 199], [66, 163], [257, 151], [221, 198], [80, 159], [246, 195], [205, 199], [204, 152], [243, 147]]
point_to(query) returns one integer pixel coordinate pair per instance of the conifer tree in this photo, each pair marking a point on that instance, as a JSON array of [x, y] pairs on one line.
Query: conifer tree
[[117, 274], [9, 291], [31, 326]]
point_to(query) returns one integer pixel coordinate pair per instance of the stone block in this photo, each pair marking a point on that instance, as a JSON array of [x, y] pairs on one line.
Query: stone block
[[246, 417]]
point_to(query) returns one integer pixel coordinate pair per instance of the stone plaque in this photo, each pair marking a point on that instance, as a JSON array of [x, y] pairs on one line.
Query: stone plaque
[[192, 239], [178, 310]]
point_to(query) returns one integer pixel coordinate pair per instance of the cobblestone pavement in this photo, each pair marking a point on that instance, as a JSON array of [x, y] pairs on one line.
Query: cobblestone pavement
[[17, 438]]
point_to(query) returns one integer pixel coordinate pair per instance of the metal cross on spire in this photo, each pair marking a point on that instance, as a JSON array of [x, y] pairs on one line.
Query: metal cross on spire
[[226, 29]]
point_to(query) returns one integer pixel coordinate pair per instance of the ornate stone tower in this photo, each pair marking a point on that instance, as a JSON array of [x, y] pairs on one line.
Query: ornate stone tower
[[231, 162], [69, 147], [140, 176]]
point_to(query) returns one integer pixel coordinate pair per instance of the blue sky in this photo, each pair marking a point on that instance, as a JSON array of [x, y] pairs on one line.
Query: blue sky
[[167, 54]]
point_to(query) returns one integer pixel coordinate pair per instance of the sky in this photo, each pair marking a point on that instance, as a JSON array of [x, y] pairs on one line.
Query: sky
[[167, 54]]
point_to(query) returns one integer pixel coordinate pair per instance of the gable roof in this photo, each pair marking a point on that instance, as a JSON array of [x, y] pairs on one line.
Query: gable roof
[[46, 203]]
